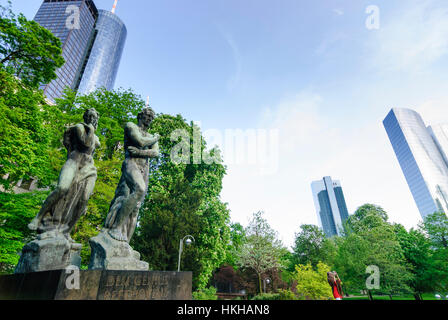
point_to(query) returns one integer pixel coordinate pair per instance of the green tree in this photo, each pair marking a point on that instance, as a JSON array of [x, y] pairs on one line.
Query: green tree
[[28, 50], [29, 56], [24, 138], [417, 251], [312, 246], [371, 241], [262, 251], [237, 239], [436, 226], [16, 211], [312, 283]]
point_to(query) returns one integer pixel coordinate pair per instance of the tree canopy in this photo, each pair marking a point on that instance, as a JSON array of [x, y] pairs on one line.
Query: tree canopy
[[28, 50]]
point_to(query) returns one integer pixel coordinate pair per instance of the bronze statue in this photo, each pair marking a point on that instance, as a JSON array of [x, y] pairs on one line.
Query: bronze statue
[[54, 249], [68, 202], [110, 249], [139, 147]]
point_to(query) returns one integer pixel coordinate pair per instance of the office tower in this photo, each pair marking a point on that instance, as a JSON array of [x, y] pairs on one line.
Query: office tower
[[101, 67], [330, 205], [92, 45], [73, 23], [421, 154], [439, 134]]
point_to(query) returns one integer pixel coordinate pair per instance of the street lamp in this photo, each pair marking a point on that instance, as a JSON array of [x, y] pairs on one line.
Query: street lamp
[[188, 240], [266, 281]]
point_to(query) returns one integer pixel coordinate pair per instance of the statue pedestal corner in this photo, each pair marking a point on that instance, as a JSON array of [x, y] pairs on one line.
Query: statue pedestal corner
[[52, 253], [110, 254]]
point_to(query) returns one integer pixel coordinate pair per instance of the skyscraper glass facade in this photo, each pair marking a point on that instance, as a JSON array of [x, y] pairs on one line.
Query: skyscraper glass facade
[[330, 205], [439, 134], [420, 158], [55, 15], [100, 70]]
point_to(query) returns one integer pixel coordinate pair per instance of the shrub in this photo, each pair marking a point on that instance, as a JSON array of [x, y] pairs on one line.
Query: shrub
[[286, 295], [267, 296], [205, 294]]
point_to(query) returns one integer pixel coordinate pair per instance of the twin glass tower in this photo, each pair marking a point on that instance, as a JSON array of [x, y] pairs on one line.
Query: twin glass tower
[[422, 153], [330, 205], [92, 45]]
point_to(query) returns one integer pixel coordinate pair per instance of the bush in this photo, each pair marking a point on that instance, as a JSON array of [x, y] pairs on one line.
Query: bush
[[205, 294], [286, 295], [280, 295], [267, 296]]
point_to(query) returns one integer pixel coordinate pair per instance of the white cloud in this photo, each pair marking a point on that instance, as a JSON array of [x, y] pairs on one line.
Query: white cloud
[[412, 39], [339, 12], [235, 78]]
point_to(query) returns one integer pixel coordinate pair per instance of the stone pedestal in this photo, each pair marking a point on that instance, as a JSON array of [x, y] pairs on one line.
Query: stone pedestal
[[53, 253], [110, 254], [97, 285]]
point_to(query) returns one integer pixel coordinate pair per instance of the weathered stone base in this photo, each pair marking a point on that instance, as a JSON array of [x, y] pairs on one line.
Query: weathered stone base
[[110, 254], [49, 254], [97, 285]]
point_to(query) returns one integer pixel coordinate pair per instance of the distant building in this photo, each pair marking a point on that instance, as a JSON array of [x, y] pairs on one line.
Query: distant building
[[422, 154], [101, 67], [92, 44], [330, 205], [55, 15]]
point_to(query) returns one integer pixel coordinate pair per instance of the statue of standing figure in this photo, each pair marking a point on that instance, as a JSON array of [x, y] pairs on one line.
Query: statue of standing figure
[[110, 249], [54, 248]]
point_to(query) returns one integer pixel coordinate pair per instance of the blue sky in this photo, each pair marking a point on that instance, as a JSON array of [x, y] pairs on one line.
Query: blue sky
[[310, 69]]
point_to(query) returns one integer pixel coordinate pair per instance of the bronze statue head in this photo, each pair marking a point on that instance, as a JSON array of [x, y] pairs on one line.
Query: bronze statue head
[[146, 116], [91, 116]]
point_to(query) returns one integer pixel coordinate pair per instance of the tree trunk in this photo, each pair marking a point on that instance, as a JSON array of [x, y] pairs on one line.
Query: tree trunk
[[390, 296], [417, 296], [259, 283], [369, 293]]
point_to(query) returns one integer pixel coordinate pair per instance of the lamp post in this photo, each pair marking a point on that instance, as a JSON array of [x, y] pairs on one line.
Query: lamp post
[[266, 281], [188, 240]]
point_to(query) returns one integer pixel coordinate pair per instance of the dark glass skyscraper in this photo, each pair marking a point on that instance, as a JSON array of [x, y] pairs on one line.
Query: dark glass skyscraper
[[61, 18], [330, 205], [421, 152], [92, 45], [100, 70]]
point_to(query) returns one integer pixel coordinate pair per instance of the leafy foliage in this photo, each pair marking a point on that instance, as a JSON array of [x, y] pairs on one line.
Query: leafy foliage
[[16, 211], [28, 50], [312, 283], [205, 294], [436, 226], [311, 246], [262, 250], [24, 139], [372, 241]]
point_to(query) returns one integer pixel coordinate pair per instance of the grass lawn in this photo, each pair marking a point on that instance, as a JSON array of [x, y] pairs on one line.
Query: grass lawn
[[426, 296]]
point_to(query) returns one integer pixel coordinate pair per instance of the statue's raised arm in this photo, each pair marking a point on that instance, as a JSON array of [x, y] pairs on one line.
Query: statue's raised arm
[[137, 137]]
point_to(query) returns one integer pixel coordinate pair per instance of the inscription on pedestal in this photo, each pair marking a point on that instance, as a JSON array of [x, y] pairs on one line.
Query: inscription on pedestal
[[138, 285]]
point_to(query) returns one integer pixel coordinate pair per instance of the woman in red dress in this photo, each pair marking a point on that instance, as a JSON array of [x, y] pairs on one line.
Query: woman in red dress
[[335, 283]]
